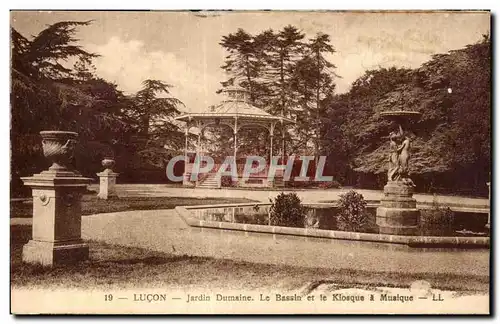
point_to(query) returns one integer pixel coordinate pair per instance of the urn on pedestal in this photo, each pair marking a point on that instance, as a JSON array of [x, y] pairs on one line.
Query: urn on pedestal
[[108, 163], [58, 148], [57, 205], [107, 179]]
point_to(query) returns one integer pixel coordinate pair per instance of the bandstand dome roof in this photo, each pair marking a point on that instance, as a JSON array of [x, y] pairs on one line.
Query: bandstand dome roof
[[235, 105]]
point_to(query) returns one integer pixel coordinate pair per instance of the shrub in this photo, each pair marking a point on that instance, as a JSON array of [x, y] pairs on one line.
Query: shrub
[[352, 214], [437, 215], [287, 210]]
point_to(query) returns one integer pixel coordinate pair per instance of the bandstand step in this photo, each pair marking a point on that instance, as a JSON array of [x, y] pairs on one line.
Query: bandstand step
[[209, 182]]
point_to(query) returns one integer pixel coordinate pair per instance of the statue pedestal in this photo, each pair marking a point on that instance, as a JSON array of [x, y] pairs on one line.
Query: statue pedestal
[[398, 213], [107, 182], [56, 218]]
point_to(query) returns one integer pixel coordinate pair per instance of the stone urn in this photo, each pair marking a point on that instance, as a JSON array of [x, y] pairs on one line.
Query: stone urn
[[108, 163], [107, 179], [57, 209], [58, 148]]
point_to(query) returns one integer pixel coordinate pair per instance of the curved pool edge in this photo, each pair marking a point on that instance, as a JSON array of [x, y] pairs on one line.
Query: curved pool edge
[[412, 241]]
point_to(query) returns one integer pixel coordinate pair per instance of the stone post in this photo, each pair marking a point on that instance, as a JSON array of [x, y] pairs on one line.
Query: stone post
[[56, 206], [488, 225], [107, 180]]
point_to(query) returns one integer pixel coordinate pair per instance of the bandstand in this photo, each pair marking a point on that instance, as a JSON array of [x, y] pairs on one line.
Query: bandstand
[[235, 112]]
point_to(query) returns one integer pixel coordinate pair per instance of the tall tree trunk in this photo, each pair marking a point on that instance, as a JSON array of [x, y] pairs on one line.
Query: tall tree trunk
[[317, 104], [282, 85], [249, 80], [145, 125], [282, 78]]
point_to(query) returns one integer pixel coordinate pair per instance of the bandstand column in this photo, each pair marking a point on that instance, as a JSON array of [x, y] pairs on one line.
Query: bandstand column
[[198, 145], [271, 147], [199, 125], [186, 144], [282, 142], [235, 131], [186, 174], [271, 137], [198, 151]]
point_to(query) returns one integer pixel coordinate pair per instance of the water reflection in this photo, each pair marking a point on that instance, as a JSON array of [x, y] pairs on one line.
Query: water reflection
[[325, 217]]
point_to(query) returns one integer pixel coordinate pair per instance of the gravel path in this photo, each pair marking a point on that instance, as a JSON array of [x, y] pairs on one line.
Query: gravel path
[[158, 190]]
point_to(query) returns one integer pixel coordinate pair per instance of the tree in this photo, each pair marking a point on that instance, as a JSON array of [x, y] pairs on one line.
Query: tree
[[150, 109], [153, 110], [41, 57], [84, 69], [317, 83], [451, 144], [244, 61], [288, 48], [285, 76], [46, 93], [248, 64]]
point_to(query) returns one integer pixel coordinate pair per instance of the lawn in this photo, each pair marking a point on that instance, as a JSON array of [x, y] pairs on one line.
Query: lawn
[[112, 266], [92, 205], [116, 267]]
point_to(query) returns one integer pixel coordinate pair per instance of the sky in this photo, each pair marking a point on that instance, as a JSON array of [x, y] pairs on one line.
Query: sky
[[182, 48]]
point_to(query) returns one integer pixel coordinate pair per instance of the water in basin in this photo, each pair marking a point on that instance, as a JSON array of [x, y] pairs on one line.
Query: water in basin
[[325, 217]]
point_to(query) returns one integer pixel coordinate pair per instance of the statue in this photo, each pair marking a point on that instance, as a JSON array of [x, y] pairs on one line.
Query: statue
[[393, 172], [398, 158], [397, 213]]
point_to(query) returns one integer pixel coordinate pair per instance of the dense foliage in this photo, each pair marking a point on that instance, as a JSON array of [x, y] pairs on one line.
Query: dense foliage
[[352, 215], [451, 142], [226, 181], [289, 76], [47, 93], [287, 210], [55, 86], [286, 75]]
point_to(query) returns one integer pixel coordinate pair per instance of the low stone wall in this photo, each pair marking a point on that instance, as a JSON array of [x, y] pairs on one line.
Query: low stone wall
[[413, 241]]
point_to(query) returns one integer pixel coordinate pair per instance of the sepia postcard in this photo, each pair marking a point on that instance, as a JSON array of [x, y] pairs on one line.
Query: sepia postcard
[[250, 162]]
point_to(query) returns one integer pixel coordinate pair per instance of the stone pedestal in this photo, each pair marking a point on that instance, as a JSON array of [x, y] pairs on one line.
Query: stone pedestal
[[398, 213], [107, 182], [56, 218]]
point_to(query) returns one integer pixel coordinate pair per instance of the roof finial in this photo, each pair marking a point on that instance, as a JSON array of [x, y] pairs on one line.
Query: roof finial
[[236, 93]]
